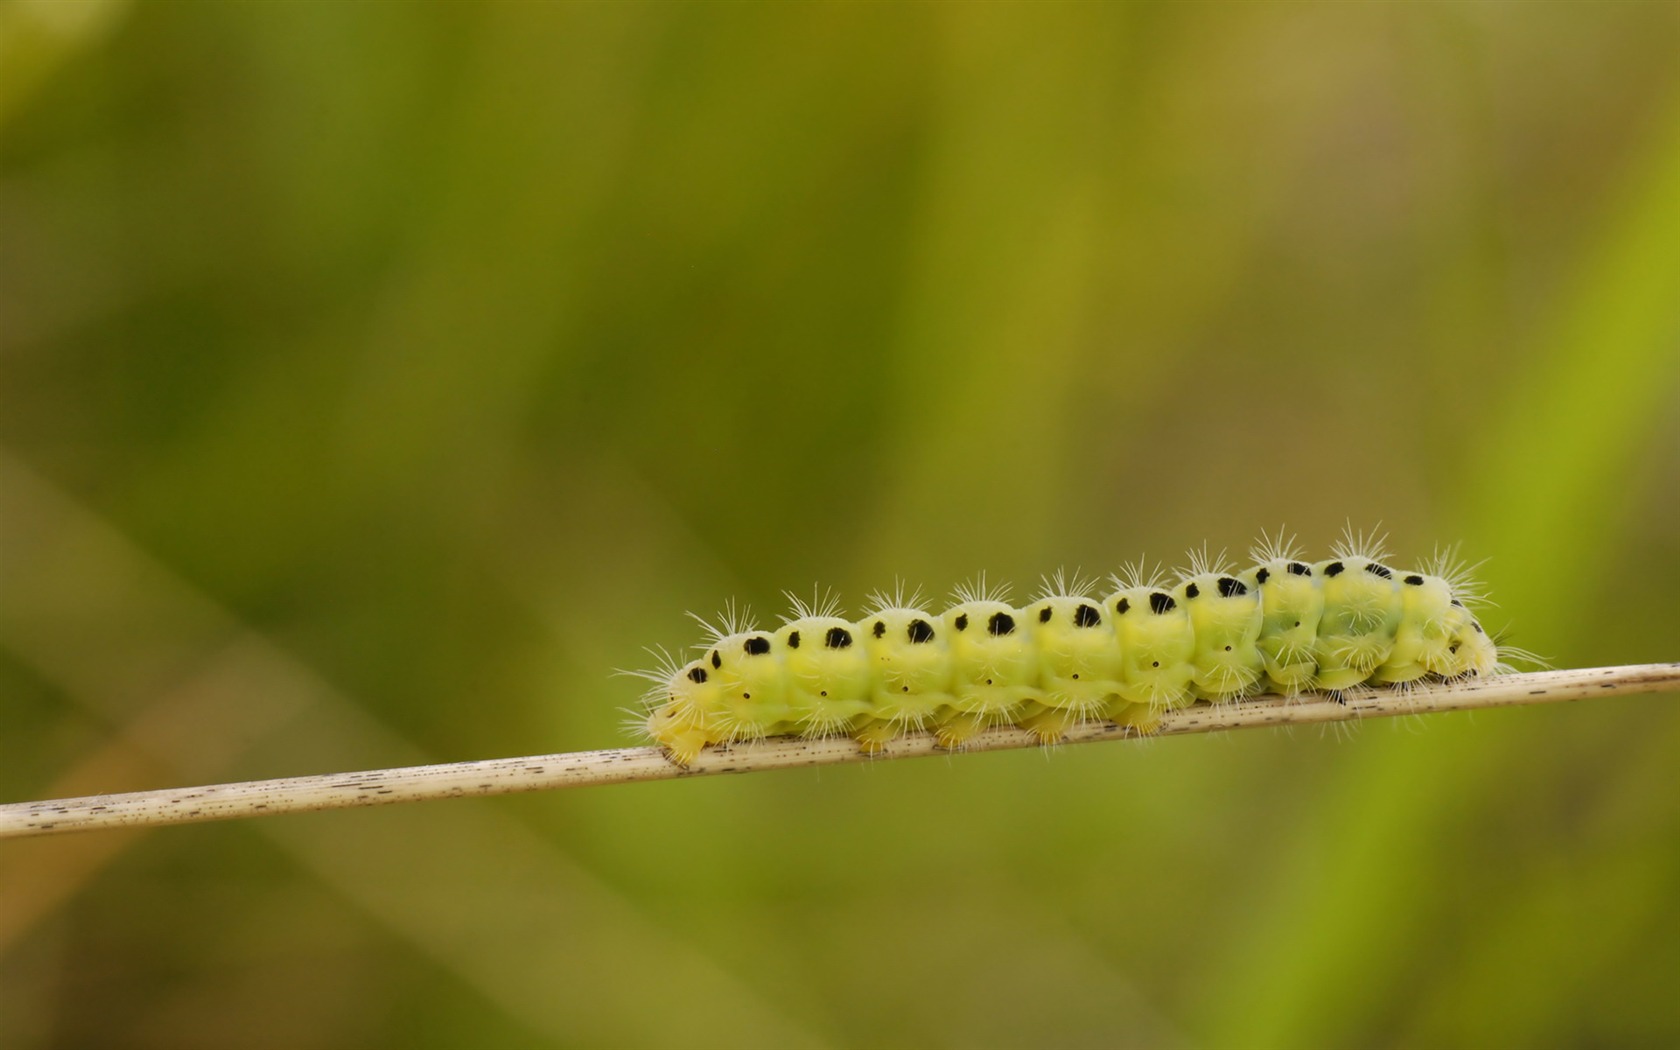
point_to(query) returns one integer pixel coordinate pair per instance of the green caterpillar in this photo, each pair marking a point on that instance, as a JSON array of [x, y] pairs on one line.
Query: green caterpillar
[[1283, 625]]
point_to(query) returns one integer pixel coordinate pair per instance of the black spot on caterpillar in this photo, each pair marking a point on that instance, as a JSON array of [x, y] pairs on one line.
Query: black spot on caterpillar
[[1214, 635]]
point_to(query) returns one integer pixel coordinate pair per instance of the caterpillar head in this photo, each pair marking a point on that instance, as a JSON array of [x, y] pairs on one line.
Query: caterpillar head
[[689, 689], [679, 721]]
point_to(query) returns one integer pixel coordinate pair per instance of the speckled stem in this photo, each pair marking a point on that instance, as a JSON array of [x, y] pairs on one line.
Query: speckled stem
[[623, 765]]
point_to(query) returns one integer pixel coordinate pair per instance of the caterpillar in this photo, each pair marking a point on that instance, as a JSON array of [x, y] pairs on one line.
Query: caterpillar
[[1152, 644]]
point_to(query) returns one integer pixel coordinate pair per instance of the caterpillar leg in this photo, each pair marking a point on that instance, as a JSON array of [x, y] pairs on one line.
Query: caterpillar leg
[[1390, 675], [681, 732], [685, 746], [959, 728], [1144, 718], [897, 713], [1292, 680], [1049, 724], [1341, 679], [873, 737]]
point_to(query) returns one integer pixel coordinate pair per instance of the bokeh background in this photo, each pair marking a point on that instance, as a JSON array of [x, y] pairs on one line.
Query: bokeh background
[[375, 380]]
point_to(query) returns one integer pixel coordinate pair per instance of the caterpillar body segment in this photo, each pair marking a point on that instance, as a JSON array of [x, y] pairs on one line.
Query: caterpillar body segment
[[1291, 606], [1078, 664], [910, 673], [1426, 633], [829, 678], [1157, 647], [994, 668], [1283, 625], [1225, 620], [753, 692], [1362, 609]]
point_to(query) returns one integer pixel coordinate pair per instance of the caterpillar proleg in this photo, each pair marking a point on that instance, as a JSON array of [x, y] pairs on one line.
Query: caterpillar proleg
[[1072, 654]]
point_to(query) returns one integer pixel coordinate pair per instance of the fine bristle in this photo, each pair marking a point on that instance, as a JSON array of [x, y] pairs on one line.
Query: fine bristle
[[665, 667], [634, 723], [1459, 574], [1201, 562], [737, 729], [1357, 543], [1279, 547], [897, 598], [1511, 656], [824, 602], [1139, 573], [1061, 583], [734, 619], [819, 727], [978, 590]]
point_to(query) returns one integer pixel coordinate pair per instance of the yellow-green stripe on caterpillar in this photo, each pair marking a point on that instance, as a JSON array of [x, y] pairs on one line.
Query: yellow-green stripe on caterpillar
[[1283, 625]]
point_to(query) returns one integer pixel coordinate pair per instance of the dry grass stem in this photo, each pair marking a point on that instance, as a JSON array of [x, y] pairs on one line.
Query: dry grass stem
[[624, 765]]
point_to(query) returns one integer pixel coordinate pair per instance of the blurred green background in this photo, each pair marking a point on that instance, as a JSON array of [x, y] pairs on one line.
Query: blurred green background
[[377, 379]]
